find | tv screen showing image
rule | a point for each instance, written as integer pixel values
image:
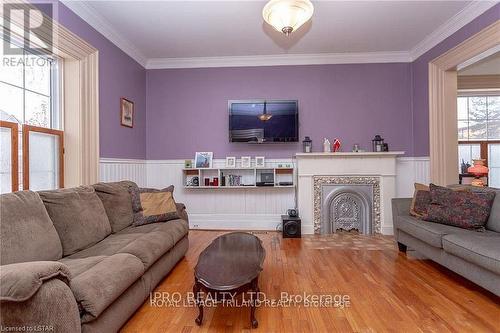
(259, 121)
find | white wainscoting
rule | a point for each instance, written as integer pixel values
(113, 169)
(410, 170)
(236, 209)
(233, 209)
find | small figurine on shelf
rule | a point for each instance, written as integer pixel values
(327, 147)
(336, 145)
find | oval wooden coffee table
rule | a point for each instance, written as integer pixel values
(232, 264)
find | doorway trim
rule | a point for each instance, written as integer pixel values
(443, 131)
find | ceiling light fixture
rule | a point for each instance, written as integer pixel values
(287, 16)
(264, 116)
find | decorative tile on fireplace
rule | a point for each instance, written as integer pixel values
(346, 203)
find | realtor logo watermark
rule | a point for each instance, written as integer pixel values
(37, 34)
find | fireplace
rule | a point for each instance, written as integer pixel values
(346, 203)
(346, 191)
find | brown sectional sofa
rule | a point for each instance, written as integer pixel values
(71, 261)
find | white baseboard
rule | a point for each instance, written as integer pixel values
(387, 231)
(234, 221)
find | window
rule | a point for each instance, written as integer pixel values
(479, 132)
(29, 96)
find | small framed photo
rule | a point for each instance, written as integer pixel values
(127, 112)
(260, 161)
(230, 162)
(188, 164)
(245, 161)
(203, 160)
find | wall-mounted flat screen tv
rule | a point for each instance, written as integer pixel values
(263, 121)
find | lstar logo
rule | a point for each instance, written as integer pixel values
(26, 27)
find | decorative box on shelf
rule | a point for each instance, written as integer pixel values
(227, 178)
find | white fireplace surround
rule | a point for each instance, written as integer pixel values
(315, 169)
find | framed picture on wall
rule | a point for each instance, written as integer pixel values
(245, 161)
(260, 161)
(127, 112)
(230, 162)
(203, 160)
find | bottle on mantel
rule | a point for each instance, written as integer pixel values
(327, 147)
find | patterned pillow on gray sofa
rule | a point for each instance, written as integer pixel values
(463, 209)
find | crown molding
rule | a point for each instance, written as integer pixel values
(94, 19)
(455, 23)
(466, 15)
(279, 60)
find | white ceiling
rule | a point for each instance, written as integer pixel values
(173, 33)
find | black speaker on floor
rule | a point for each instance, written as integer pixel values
(291, 226)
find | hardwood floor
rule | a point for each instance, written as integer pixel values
(389, 291)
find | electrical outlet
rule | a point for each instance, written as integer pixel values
(196, 226)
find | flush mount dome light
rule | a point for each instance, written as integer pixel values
(287, 16)
(264, 116)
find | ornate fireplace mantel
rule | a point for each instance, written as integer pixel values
(313, 169)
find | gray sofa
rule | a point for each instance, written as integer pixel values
(72, 262)
(472, 254)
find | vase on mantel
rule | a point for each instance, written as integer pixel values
(327, 147)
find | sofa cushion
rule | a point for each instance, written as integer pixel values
(463, 209)
(26, 231)
(100, 285)
(420, 201)
(78, 215)
(107, 247)
(156, 242)
(428, 232)
(482, 249)
(148, 242)
(78, 266)
(117, 203)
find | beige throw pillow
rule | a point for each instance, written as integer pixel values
(157, 203)
(152, 205)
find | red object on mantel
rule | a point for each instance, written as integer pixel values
(336, 145)
(479, 170)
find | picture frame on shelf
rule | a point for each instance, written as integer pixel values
(188, 164)
(203, 160)
(126, 112)
(230, 162)
(260, 162)
(246, 161)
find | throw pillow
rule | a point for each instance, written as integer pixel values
(117, 202)
(463, 209)
(78, 216)
(152, 205)
(421, 201)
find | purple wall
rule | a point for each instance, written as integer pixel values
(187, 108)
(119, 76)
(420, 75)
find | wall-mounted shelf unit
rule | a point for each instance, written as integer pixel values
(239, 178)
